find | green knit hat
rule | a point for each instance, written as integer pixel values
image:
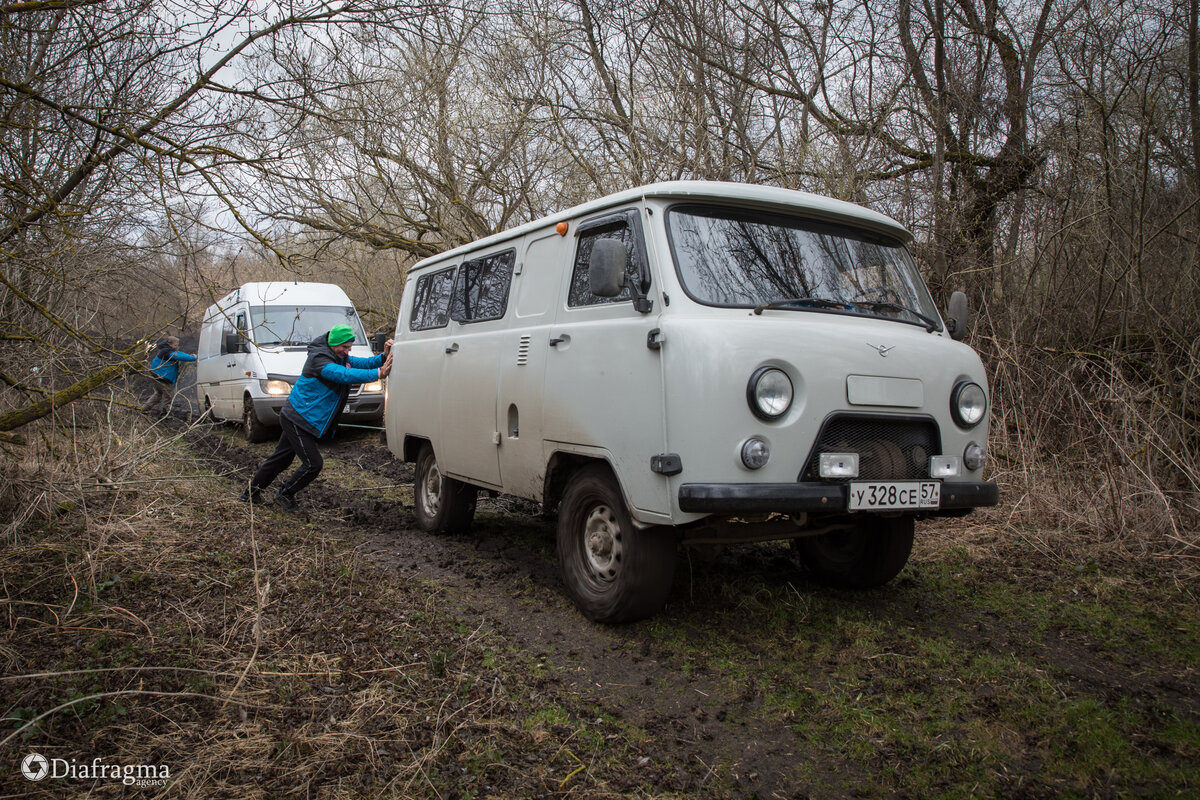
(340, 334)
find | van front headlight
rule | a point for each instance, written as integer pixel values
(968, 404)
(769, 393)
(276, 387)
(373, 386)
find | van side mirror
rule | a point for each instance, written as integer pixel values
(958, 317)
(377, 341)
(607, 267)
(234, 344)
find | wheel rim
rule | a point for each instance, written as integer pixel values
(431, 490)
(602, 543)
(843, 550)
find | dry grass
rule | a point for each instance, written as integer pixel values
(1092, 456)
(150, 618)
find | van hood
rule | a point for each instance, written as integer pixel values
(289, 361)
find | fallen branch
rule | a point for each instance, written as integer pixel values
(23, 416)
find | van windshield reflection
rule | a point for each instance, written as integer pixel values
(744, 259)
(292, 326)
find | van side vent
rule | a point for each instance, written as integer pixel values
(523, 351)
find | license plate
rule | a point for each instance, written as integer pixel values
(891, 495)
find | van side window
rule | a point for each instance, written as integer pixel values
(226, 329)
(481, 292)
(431, 301)
(581, 293)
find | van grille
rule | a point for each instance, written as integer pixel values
(523, 351)
(889, 448)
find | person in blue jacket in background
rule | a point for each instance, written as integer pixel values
(312, 410)
(164, 368)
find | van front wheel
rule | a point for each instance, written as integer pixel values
(252, 427)
(870, 555)
(443, 505)
(613, 571)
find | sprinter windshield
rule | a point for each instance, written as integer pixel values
(289, 326)
(747, 259)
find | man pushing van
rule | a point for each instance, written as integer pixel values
(312, 410)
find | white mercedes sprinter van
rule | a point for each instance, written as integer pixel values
(253, 343)
(691, 362)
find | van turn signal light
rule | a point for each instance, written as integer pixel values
(561, 228)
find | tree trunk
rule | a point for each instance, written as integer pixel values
(23, 416)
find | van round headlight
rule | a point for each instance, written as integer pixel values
(968, 404)
(769, 393)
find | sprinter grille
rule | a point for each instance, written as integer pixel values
(889, 448)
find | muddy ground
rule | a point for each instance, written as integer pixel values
(703, 681)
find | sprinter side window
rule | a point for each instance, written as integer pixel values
(226, 329)
(431, 301)
(581, 293)
(481, 292)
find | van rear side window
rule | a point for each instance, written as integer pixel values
(481, 292)
(431, 301)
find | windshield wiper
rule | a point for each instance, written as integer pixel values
(801, 302)
(931, 325)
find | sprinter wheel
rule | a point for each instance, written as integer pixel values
(443, 505)
(252, 427)
(869, 555)
(613, 571)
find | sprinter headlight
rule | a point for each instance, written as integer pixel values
(276, 387)
(769, 393)
(373, 386)
(968, 404)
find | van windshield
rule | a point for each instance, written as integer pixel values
(748, 259)
(292, 326)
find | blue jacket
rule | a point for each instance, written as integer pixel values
(165, 366)
(317, 399)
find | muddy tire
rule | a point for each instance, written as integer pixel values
(613, 571)
(443, 505)
(870, 555)
(252, 427)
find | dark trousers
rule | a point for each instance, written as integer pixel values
(164, 395)
(293, 442)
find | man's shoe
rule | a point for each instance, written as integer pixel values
(286, 502)
(248, 496)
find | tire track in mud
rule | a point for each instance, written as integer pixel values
(490, 578)
(486, 575)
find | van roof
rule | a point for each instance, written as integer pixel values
(291, 292)
(814, 205)
(295, 293)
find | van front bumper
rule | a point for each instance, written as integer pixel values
(794, 498)
(364, 408)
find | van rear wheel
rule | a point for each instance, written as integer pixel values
(252, 427)
(869, 555)
(613, 571)
(443, 505)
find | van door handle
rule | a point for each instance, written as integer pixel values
(452, 348)
(555, 341)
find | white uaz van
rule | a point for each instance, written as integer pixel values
(253, 344)
(695, 362)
